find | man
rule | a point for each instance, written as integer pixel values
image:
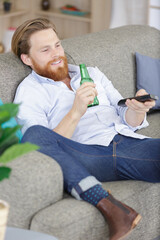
(92, 145)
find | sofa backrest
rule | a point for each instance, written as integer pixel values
(12, 72)
(112, 51)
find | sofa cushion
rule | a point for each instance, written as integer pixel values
(148, 75)
(36, 182)
(13, 71)
(80, 220)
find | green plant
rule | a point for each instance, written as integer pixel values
(10, 148)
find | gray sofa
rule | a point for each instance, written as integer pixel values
(35, 188)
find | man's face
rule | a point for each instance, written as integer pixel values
(46, 56)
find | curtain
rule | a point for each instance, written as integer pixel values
(136, 11)
(126, 12)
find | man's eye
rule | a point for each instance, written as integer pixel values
(44, 50)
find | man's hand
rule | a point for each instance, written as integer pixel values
(137, 110)
(140, 107)
(85, 95)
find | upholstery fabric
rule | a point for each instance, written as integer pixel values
(36, 182)
(13, 73)
(88, 221)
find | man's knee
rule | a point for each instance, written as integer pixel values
(35, 133)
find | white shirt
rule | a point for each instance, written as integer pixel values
(45, 102)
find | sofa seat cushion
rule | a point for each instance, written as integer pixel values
(36, 181)
(70, 219)
(80, 220)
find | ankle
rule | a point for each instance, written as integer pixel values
(94, 195)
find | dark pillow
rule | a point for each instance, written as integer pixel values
(148, 75)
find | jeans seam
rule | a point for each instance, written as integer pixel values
(119, 141)
(114, 157)
(138, 159)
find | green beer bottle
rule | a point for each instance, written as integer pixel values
(86, 78)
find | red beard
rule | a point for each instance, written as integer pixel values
(57, 75)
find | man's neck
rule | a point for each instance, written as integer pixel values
(67, 82)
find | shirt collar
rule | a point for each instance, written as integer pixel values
(73, 71)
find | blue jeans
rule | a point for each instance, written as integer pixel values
(125, 158)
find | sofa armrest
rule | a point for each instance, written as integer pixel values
(36, 181)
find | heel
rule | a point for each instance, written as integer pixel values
(136, 221)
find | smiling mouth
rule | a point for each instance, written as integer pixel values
(57, 62)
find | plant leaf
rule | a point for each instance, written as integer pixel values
(11, 108)
(17, 150)
(7, 111)
(4, 172)
(11, 142)
(8, 134)
(4, 116)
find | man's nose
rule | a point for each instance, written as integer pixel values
(54, 53)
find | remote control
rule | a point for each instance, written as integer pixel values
(142, 98)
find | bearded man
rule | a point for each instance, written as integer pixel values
(82, 140)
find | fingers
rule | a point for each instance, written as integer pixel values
(141, 92)
(139, 106)
(87, 84)
(84, 96)
(87, 90)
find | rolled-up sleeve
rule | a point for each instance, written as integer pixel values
(142, 125)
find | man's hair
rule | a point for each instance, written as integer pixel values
(21, 38)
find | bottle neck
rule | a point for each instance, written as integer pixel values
(84, 71)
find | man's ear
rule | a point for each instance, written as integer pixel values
(26, 59)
